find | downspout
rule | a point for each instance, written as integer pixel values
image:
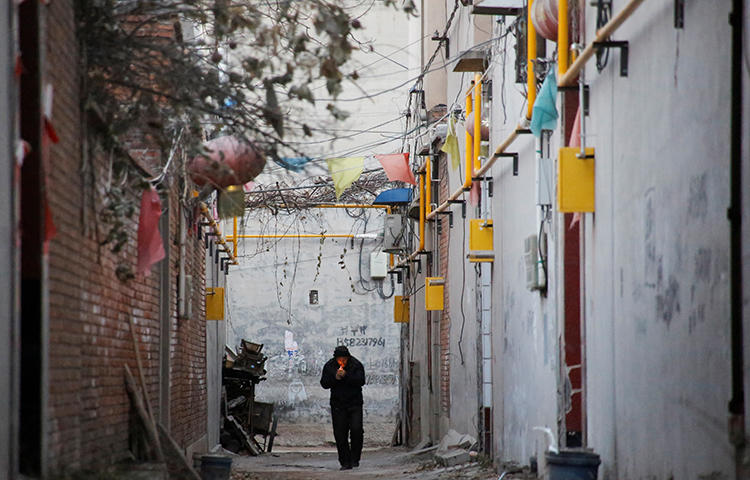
(737, 402)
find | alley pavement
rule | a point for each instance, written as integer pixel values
(382, 463)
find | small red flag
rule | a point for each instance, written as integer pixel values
(150, 245)
(396, 166)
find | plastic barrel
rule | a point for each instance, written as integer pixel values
(571, 465)
(215, 467)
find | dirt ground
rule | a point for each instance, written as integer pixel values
(297, 463)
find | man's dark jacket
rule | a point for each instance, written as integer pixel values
(346, 392)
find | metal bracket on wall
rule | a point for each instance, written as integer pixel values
(523, 131)
(436, 37)
(490, 183)
(623, 46)
(418, 261)
(463, 208)
(209, 242)
(514, 156)
(427, 254)
(576, 88)
(450, 219)
(679, 13)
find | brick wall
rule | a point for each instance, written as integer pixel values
(445, 317)
(89, 307)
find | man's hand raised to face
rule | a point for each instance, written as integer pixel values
(340, 373)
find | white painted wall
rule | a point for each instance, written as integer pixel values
(269, 304)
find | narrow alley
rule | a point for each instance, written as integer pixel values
(375, 239)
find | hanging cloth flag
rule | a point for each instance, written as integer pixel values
(396, 166)
(150, 245)
(295, 164)
(575, 133)
(450, 146)
(544, 115)
(344, 172)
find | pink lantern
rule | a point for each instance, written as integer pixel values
(226, 161)
(484, 129)
(544, 18)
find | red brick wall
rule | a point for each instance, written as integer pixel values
(90, 308)
(445, 317)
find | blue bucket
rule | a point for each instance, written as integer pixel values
(215, 467)
(572, 465)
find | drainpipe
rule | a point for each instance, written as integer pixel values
(737, 403)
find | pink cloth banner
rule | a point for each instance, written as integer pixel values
(575, 141)
(150, 245)
(396, 166)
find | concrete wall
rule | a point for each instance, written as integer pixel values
(269, 303)
(657, 291)
(8, 282)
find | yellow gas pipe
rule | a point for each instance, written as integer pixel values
(562, 37)
(477, 123)
(234, 239)
(421, 211)
(469, 154)
(530, 57)
(428, 192)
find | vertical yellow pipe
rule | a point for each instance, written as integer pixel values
(562, 37)
(530, 57)
(421, 212)
(234, 237)
(428, 193)
(477, 121)
(469, 156)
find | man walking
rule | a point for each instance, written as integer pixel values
(345, 375)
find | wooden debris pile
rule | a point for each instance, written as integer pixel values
(244, 418)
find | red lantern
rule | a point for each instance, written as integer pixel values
(484, 129)
(226, 161)
(544, 18)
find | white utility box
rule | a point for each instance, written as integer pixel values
(378, 264)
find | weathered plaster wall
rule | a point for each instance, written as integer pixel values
(269, 303)
(657, 286)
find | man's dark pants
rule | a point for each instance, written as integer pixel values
(348, 421)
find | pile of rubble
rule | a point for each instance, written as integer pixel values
(243, 418)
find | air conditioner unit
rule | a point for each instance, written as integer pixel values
(530, 256)
(394, 240)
